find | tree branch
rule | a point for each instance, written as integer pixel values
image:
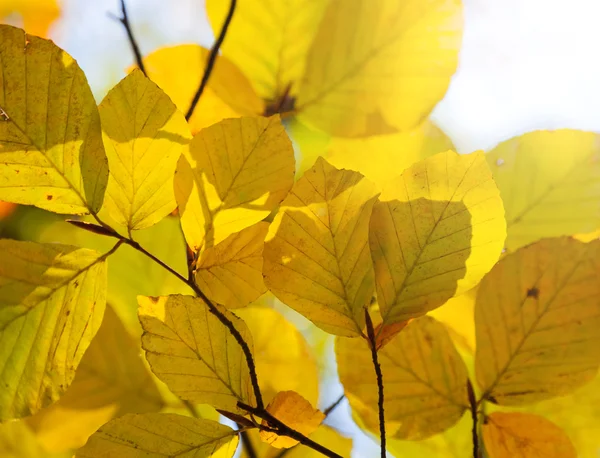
(212, 57)
(373, 346)
(124, 19)
(247, 444)
(473, 405)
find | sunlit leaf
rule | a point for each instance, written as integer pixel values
(111, 380)
(379, 66)
(537, 318)
(161, 435)
(550, 184)
(190, 350)
(18, 441)
(51, 152)
(435, 232)
(52, 300)
(316, 257)
(144, 135)
(458, 316)
(235, 173)
(230, 273)
(229, 94)
(296, 412)
(37, 15)
(424, 378)
(519, 435)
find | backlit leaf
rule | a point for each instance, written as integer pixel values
(296, 412)
(379, 66)
(230, 273)
(37, 15)
(520, 435)
(52, 300)
(537, 317)
(51, 152)
(161, 435)
(235, 173)
(111, 380)
(316, 257)
(18, 441)
(550, 184)
(435, 232)
(190, 350)
(229, 94)
(424, 377)
(282, 32)
(144, 135)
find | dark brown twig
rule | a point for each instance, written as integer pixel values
(124, 19)
(212, 57)
(474, 416)
(373, 346)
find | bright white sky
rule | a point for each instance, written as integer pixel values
(525, 65)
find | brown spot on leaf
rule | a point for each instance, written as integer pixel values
(49, 197)
(533, 292)
(68, 313)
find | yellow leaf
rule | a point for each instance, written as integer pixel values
(458, 316)
(51, 153)
(161, 434)
(520, 435)
(435, 232)
(376, 67)
(537, 317)
(316, 257)
(37, 15)
(111, 380)
(283, 357)
(234, 174)
(143, 135)
(281, 34)
(424, 378)
(296, 412)
(229, 94)
(230, 273)
(550, 184)
(52, 300)
(190, 350)
(18, 441)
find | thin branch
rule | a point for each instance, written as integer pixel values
(474, 416)
(247, 444)
(332, 407)
(124, 19)
(212, 57)
(373, 346)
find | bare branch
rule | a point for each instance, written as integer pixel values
(373, 346)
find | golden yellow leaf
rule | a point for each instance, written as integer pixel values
(18, 441)
(424, 378)
(234, 174)
(190, 350)
(269, 41)
(376, 67)
(37, 15)
(52, 299)
(550, 184)
(520, 435)
(229, 94)
(144, 135)
(458, 316)
(537, 317)
(435, 232)
(111, 380)
(316, 257)
(296, 412)
(161, 435)
(230, 273)
(283, 358)
(51, 152)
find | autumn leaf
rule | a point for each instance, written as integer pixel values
(536, 318)
(230, 273)
(52, 300)
(377, 67)
(296, 412)
(424, 378)
(18, 441)
(435, 232)
(234, 174)
(37, 15)
(161, 434)
(51, 152)
(177, 70)
(457, 314)
(143, 135)
(190, 350)
(520, 435)
(316, 256)
(550, 184)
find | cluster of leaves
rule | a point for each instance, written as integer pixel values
(363, 249)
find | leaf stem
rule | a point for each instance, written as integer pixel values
(212, 57)
(473, 404)
(124, 19)
(377, 366)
